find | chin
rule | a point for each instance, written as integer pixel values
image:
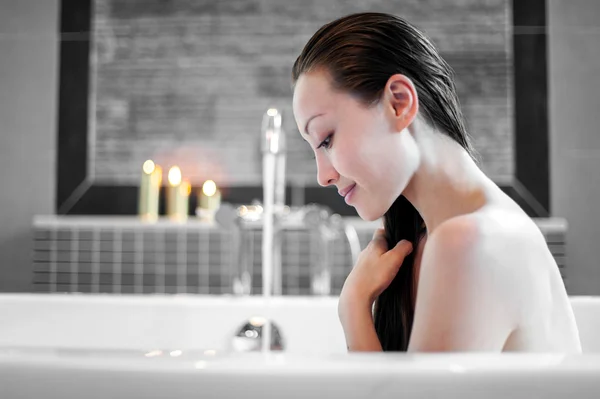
(369, 215)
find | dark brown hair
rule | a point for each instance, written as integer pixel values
(361, 52)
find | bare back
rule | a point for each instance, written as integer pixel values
(546, 319)
(532, 285)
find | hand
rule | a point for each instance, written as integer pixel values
(374, 271)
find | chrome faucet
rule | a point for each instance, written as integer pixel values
(274, 217)
(274, 159)
(324, 227)
(273, 150)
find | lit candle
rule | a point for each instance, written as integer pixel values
(149, 192)
(210, 196)
(177, 195)
(209, 200)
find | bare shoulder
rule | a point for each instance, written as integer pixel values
(497, 247)
(502, 250)
(489, 237)
(469, 292)
(470, 251)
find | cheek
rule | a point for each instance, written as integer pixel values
(375, 160)
(351, 159)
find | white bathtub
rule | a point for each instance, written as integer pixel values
(181, 322)
(72, 346)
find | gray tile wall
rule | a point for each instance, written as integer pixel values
(126, 256)
(187, 82)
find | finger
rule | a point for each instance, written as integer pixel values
(379, 234)
(397, 254)
(379, 241)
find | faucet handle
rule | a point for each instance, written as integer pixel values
(332, 226)
(229, 219)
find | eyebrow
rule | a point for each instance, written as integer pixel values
(307, 123)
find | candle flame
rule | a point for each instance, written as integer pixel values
(209, 188)
(174, 176)
(272, 112)
(148, 167)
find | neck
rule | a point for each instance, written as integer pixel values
(447, 182)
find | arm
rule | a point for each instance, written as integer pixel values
(357, 320)
(461, 301)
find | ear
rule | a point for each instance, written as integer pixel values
(400, 98)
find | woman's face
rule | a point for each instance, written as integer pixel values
(366, 152)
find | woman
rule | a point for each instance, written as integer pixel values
(468, 270)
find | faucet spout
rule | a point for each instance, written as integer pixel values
(274, 159)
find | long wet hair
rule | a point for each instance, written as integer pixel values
(361, 52)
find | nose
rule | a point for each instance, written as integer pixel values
(326, 173)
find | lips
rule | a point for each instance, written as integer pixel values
(343, 192)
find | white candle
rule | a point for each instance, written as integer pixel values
(209, 201)
(209, 197)
(149, 192)
(177, 195)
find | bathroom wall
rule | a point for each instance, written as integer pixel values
(187, 82)
(28, 68)
(574, 60)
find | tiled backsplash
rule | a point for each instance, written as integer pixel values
(187, 82)
(124, 256)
